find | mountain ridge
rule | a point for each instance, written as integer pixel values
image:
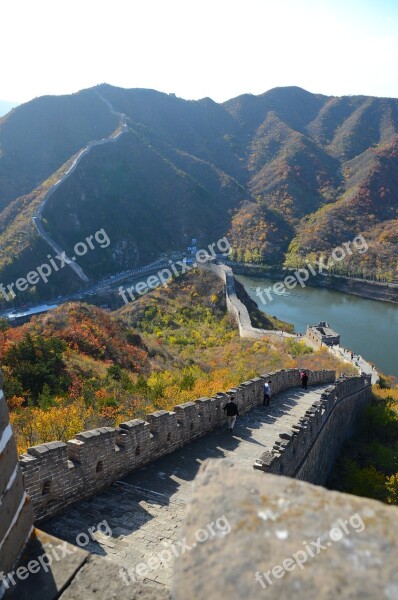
(306, 164)
(6, 106)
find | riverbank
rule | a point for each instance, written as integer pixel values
(238, 309)
(243, 309)
(356, 287)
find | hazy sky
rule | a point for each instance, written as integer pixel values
(197, 48)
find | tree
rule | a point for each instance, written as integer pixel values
(247, 256)
(4, 326)
(256, 257)
(36, 361)
(114, 372)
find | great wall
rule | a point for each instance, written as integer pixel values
(236, 308)
(57, 474)
(112, 473)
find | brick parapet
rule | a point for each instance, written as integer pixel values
(308, 450)
(58, 474)
(16, 514)
(236, 308)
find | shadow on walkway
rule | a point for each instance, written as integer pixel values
(134, 501)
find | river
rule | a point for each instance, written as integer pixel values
(368, 327)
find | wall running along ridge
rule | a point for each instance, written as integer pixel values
(309, 450)
(236, 308)
(58, 474)
(16, 515)
(239, 311)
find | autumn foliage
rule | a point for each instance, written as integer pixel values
(81, 367)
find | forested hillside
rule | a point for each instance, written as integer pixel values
(80, 367)
(287, 175)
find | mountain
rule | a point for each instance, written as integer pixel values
(80, 367)
(6, 106)
(286, 175)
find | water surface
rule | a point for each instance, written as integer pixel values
(368, 327)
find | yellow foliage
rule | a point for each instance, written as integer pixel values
(386, 393)
(35, 425)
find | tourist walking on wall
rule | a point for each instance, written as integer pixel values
(267, 393)
(232, 412)
(304, 381)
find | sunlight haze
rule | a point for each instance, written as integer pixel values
(195, 49)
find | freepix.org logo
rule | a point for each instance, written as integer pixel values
(44, 271)
(54, 554)
(219, 528)
(302, 275)
(177, 268)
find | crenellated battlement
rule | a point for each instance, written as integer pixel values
(307, 451)
(58, 474)
(236, 308)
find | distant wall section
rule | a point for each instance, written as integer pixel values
(236, 308)
(309, 450)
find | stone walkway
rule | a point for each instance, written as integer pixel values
(145, 509)
(363, 365)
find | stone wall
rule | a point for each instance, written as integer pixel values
(309, 450)
(314, 336)
(322, 334)
(284, 539)
(58, 474)
(16, 516)
(236, 308)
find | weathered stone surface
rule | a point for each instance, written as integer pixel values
(99, 579)
(46, 584)
(146, 508)
(13, 544)
(347, 545)
(16, 514)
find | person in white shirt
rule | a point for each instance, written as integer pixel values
(267, 393)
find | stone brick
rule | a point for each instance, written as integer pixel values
(12, 546)
(58, 474)
(16, 514)
(8, 462)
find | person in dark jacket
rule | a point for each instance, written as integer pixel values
(232, 411)
(304, 381)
